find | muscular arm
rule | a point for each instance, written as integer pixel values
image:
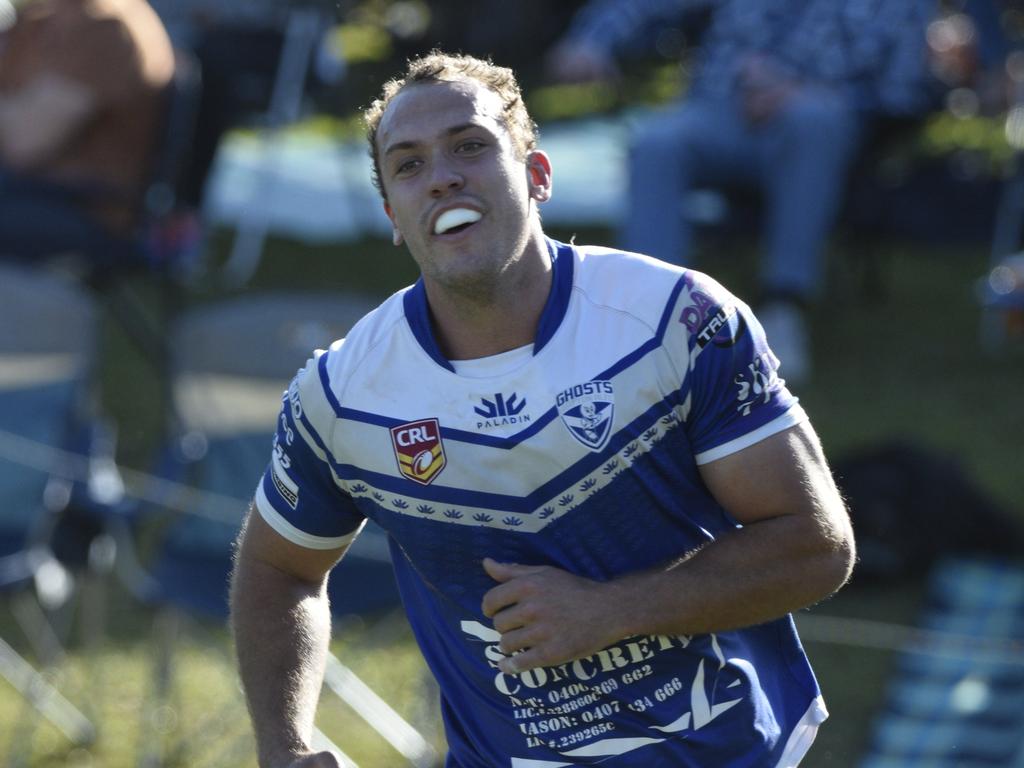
(794, 549)
(281, 624)
(38, 120)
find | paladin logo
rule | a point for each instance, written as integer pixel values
(419, 449)
(501, 411)
(588, 410)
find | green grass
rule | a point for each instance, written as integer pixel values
(907, 365)
(201, 721)
(913, 368)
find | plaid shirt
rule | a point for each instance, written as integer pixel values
(872, 49)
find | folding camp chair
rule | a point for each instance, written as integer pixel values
(229, 365)
(165, 247)
(302, 32)
(47, 340)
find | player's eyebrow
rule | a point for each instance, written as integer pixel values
(412, 144)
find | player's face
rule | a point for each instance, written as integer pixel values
(458, 195)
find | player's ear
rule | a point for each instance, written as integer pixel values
(538, 175)
(396, 235)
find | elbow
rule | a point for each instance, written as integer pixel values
(843, 560)
(839, 552)
(829, 553)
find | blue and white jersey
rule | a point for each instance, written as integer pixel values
(580, 453)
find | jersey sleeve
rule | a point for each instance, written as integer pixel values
(736, 397)
(298, 496)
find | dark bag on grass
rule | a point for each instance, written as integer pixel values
(910, 506)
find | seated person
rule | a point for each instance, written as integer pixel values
(783, 96)
(81, 100)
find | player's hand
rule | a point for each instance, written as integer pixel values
(547, 616)
(316, 760)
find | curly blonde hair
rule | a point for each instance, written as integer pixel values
(438, 67)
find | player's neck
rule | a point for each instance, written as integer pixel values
(493, 319)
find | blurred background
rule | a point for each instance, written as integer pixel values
(140, 377)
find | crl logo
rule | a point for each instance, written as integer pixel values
(419, 450)
(501, 411)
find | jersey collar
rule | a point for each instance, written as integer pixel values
(417, 313)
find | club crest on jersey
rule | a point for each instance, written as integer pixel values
(419, 450)
(588, 410)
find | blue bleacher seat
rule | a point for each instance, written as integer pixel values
(957, 696)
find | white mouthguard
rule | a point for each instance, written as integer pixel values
(454, 218)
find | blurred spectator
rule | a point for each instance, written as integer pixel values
(81, 87)
(784, 94)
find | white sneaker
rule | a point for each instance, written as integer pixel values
(786, 332)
